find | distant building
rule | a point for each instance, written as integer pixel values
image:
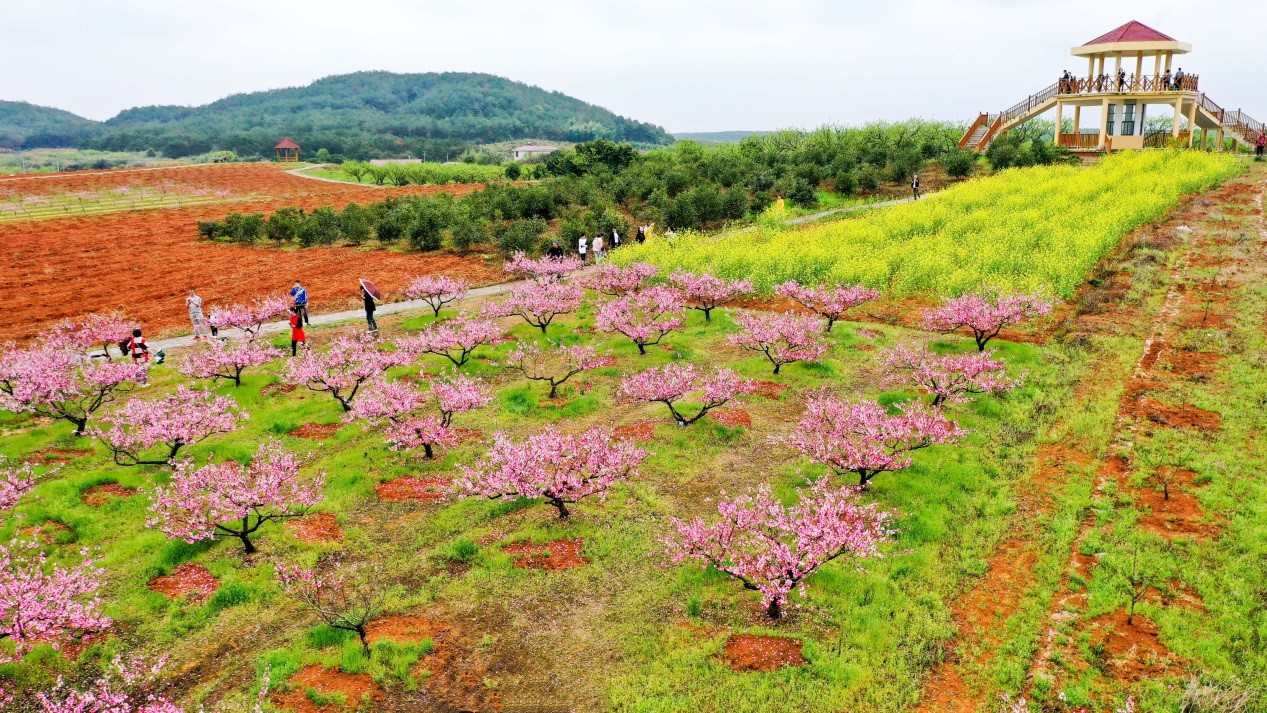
(287, 151)
(529, 151)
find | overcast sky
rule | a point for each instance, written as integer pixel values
(687, 65)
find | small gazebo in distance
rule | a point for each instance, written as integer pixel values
(1128, 70)
(287, 151)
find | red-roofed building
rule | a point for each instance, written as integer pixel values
(1131, 74)
(287, 151)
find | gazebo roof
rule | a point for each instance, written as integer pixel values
(1134, 36)
(286, 143)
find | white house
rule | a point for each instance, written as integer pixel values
(529, 151)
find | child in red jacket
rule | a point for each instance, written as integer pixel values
(297, 335)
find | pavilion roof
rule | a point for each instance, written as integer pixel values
(1132, 31)
(286, 143)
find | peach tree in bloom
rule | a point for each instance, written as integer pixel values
(127, 688)
(950, 378)
(15, 481)
(782, 338)
(341, 371)
(558, 468)
(554, 365)
(154, 432)
(225, 360)
(614, 280)
(248, 318)
(437, 291)
(61, 383)
(106, 330)
(538, 303)
(771, 547)
(830, 302)
(862, 437)
(346, 597)
(543, 269)
(45, 603)
(645, 317)
(232, 500)
(706, 292)
(454, 339)
(676, 382)
(399, 404)
(985, 315)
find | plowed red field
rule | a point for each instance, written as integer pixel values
(143, 262)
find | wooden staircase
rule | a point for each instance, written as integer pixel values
(987, 127)
(1242, 127)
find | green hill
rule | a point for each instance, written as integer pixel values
(367, 115)
(717, 137)
(24, 125)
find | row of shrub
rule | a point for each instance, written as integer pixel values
(422, 174)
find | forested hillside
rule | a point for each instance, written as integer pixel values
(361, 115)
(24, 125)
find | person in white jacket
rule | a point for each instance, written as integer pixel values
(580, 247)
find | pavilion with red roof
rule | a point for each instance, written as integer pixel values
(1129, 69)
(287, 151)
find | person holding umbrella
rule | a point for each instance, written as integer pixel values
(370, 295)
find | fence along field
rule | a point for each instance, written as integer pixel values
(1020, 229)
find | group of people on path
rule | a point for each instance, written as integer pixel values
(205, 331)
(597, 246)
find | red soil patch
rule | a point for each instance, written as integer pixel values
(99, 495)
(555, 554)
(1133, 651)
(1193, 363)
(1180, 514)
(315, 431)
(770, 389)
(58, 456)
(731, 417)
(278, 388)
(317, 527)
(353, 687)
(189, 578)
(402, 628)
(71, 650)
(47, 531)
(746, 652)
(89, 256)
(465, 435)
(409, 488)
(1178, 416)
(640, 431)
(1054, 460)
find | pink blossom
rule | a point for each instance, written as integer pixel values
(560, 468)
(538, 303)
(15, 482)
(104, 329)
(830, 302)
(542, 269)
(950, 377)
(458, 393)
(127, 689)
(45, 603)
(248, 318)
(862, 437)
(168, 424)
(555, 365)
(59, 382)
(676, 381)
(227, 499)
(614, 280)
(782, 338)
(706, 292)
(454, 340)
(225, 360)
(985, 315)
(771, 548)
(352, 360)
(437, 290)
(645, 317)
(398, 404)
(346, 597)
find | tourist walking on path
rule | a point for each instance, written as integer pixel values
(199, 320)
(300, 297)
(1258, 147)
(615, 239)
(555, 251)
(580, 247)
(369, 309)
(640, 237)
(915, 186)
(297, 335)
(598, 248)
(140, 353)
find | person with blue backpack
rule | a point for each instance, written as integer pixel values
(300, 297)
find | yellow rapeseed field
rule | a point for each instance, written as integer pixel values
(1020, 229)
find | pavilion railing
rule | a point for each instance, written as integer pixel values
(1081, 140)
(1108, 84)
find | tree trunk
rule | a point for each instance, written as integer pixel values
(553, 389)
(776, 367)
(831, 322)
(247, 545)
(642, 348)
(563, 509)
(365, 644)
(426, 451)
(773, 610)
(80, 424)
(708, 313)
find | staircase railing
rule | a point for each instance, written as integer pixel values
(990, 133)
(1029, 104)
(1244, 124)
(981, 121)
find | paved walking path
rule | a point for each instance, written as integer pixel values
(302, 173)
(847, 209)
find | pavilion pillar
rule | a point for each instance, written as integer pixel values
(1077, 119)
(1139, 70)
(1192, 123)
(1100, 73)
(1169, 56)
(1060, 120)
(1219, 136)
(1104, 122)
(1156, 69)
(1174, 130)
(1117, 67)
(1090, 69)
